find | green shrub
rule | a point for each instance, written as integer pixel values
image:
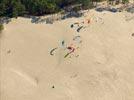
(125, 1)
(1, 27)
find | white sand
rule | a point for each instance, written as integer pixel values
(104, 69)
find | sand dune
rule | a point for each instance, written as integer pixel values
(97, 65)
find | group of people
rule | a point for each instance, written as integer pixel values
(69, 50)
(80, 25)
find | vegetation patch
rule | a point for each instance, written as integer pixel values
(15, 8)
(1, 27)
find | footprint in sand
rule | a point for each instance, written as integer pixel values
(132, 34)
(104, 57)
(32, 80)
(9, 51)
(14, 81)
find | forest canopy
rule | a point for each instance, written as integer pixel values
(14, 8)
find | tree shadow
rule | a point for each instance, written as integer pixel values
(55, 17)
(5, 20)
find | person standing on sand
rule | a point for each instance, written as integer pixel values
(88, 21)
(63, 43)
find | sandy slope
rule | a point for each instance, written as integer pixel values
(104, 69)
